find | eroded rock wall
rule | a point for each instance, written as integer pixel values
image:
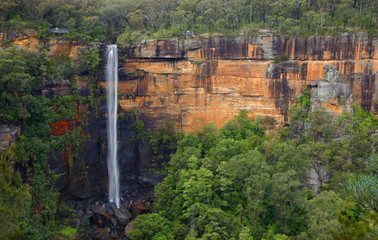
(29, 40)
(203, 80)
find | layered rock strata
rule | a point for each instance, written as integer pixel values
(202, 80)
(29, 40)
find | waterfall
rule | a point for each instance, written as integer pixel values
(112, 104)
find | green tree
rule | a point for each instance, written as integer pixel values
(322, 215)
(6, 6)
(151, 226)
(287, 202)
(14, 198)
(129, 37)
(18, 77)
(362, 188)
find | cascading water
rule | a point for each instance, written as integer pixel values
(112, 88)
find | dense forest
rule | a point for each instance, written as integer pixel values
(128, 21)
(237, 183)
(28, 196)
(247, 180)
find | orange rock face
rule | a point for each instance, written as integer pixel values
(29, 40)
(198, 81)
(70, 48)
(201, 80)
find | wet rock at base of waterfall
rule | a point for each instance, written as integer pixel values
(121, 214)
(101, 234)
(112, 206)
(101, 216)
(139, 208)
(114, 221)
(84, 214)
(128, 228)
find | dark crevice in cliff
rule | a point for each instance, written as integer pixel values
(281, 92)
(304, 67)
(142, 86)
(367, 85)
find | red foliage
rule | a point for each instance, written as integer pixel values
(61, 128)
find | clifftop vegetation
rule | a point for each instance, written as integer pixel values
(132, 20)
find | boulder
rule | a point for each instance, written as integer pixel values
(101, 234)
(84, 214)
(122, 216)
(101, 216)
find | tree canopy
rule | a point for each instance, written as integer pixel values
(132, 20)
(236, 183)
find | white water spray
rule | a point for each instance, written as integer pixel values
(112, 88)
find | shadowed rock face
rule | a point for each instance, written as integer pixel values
(87, 176)
(198, 81)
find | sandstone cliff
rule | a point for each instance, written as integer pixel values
(29, 40)
(203, 80)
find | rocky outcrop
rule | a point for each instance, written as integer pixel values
(57, 88)
(331, 92)
(202, 80)
(317, 177)
(109, 220)
(28, 39)
(8, 135)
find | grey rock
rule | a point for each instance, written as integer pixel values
(317, 177)
(114, 221)
(331, 74)
(95, 208)
(330, 90)
(8, 135)
(85, 217)
(80, 213)
(101, 216)
(122, 215)
(273, 71)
